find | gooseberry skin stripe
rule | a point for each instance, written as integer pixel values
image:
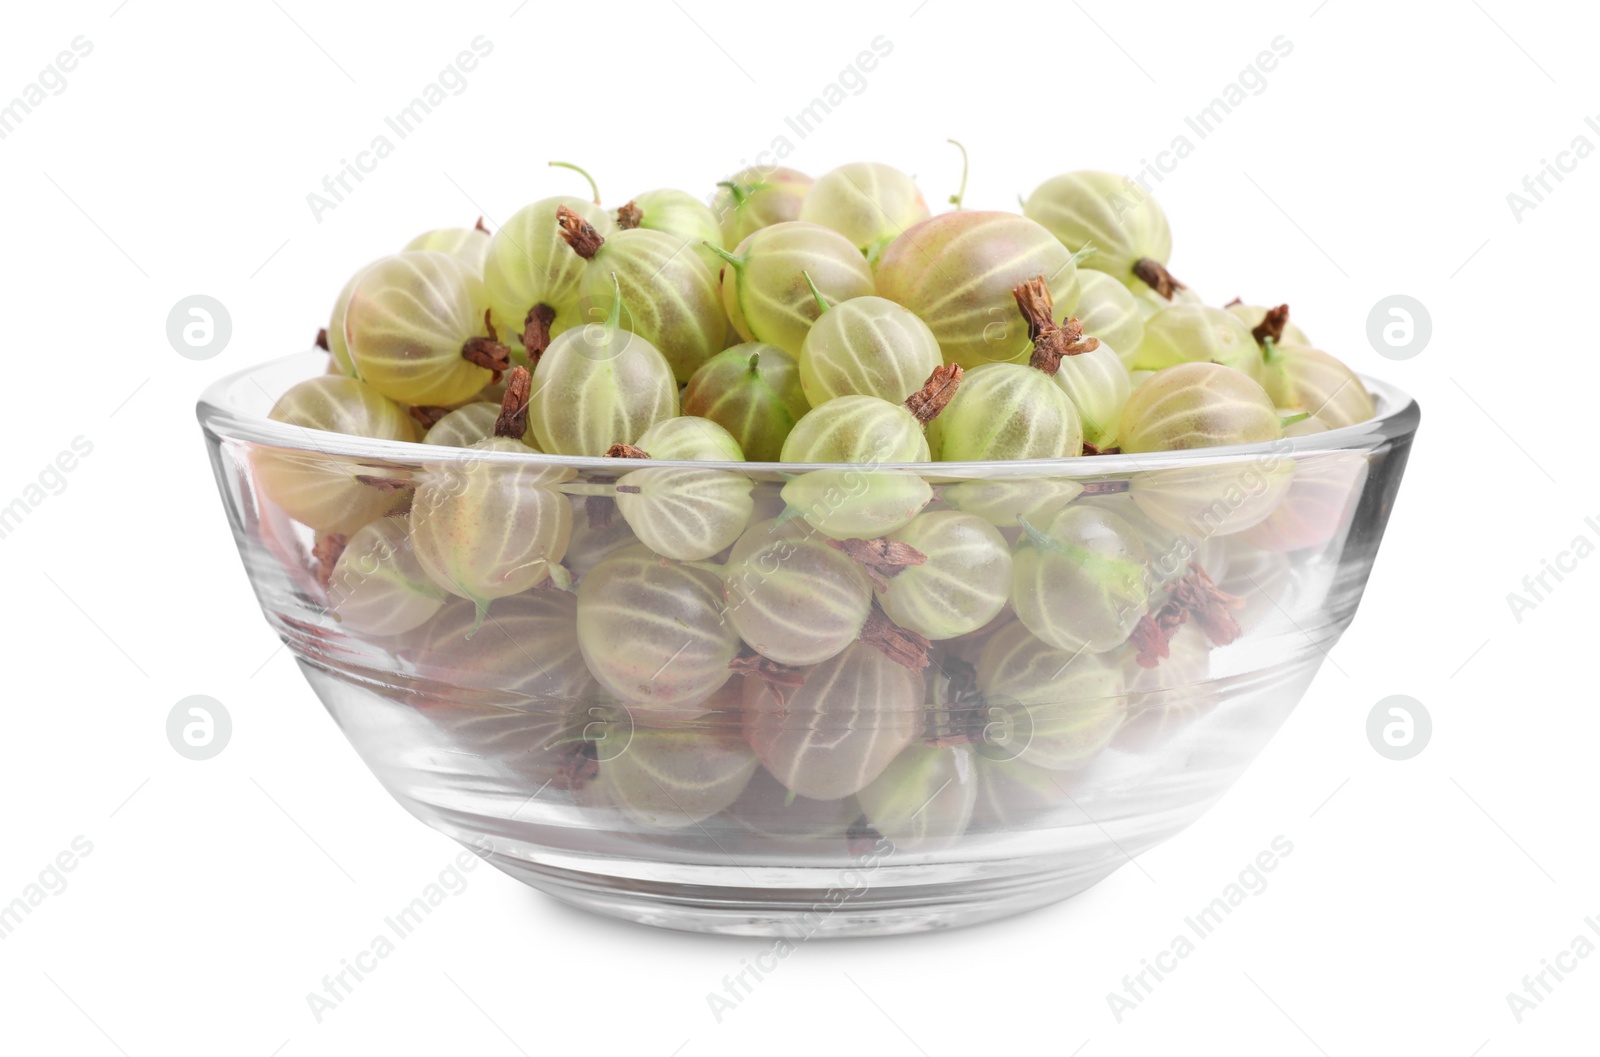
(407, 322)
(1192, 333)
(832, 736)
(766, 295)
(790, 597)
(956, 271)
(652, 632)
(672, 299)
(1194, 405)
(757, 403)
(963, 582)
(1122, 221)
(1064, 705)
(867, 346)
(322, 492)
(867, 202)
(529, 264)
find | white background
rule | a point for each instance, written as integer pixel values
(1377, 161)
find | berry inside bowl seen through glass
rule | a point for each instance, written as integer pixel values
(792, 598)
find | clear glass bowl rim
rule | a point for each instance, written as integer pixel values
(225, 410)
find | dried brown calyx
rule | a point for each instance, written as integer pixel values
(426, 415)
(881, 558)
(487, 352)
(580, 762)
(779, 677)
(1050, 341)
(1090, 449)
(513, 420)
(1192, 596)
(480, 227)
(861, 839)
(579, 233)
(1271, 326)
(935, 394)
(900, 645)
(1156, 276)
(387, 485)
(629, 216)
(322, 339)
(325, 555)
(1235, 301)
(600, 509)
(536, 331)
(960, 713)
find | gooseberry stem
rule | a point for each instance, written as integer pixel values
(739, 193)
(961, 192)
(1156, 276)
(513, 420)
(736, 261)
(1087, 250)
(592, 187)
(935, 394)
(1051, 343)
(426, 416)
(899, 644)
(822, 302)
(1270, 330)
(880, 558)
(579, 233)
(487, 352)
(536, 331)
(1193, 595)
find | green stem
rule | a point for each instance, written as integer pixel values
(1084, 253)
(755, 361)
(739, 193)
(961, 192)
(592, 186)
(1289, 420)
(822, 302)
(1103, 568)
(737, 262)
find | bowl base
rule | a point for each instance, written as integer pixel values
(798, 913)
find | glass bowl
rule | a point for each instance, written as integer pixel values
(609, 736)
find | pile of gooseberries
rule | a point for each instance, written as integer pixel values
(846, 638)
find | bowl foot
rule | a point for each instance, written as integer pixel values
(879, 906)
